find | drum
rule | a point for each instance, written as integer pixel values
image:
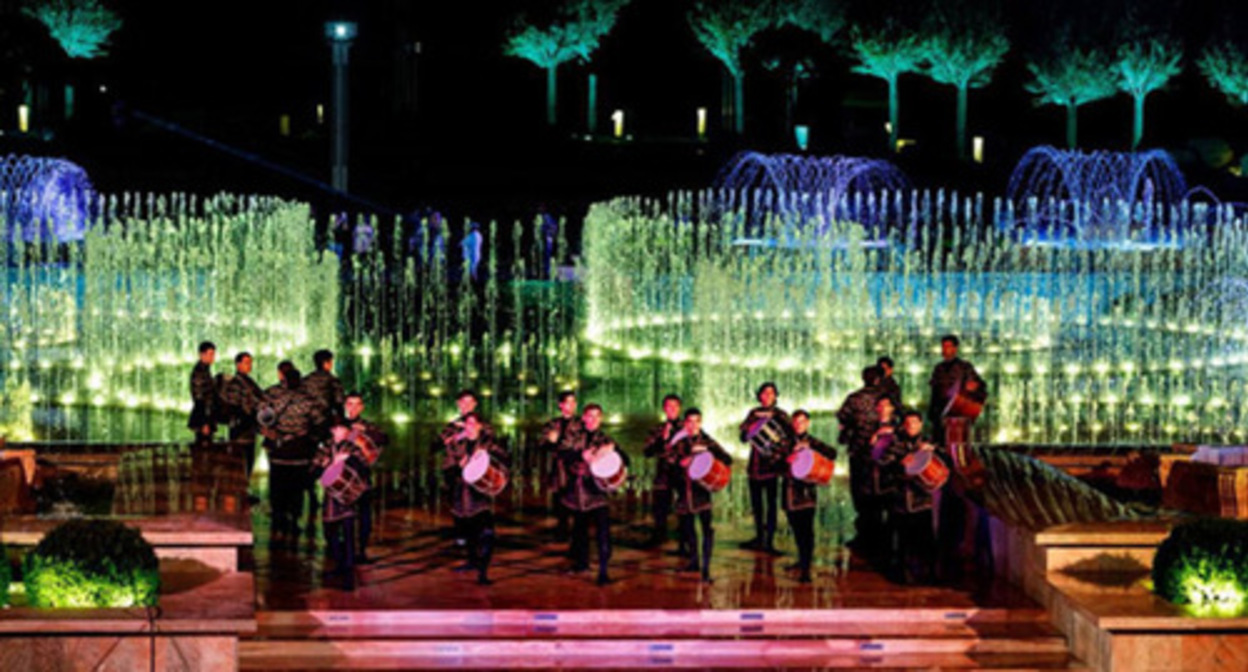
(963, 406)
(765, 434)
(369, 449)
(811, 466)
(926, 468)
(483, 475)
(343, 482)
(609, 471)
(709, 472)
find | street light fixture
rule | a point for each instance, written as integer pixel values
(340, 35)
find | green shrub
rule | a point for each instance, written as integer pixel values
(92, 563)
(5, 576)
(1204, 563)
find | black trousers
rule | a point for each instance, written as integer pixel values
(803, 524)
(246, 440)
(601, 518)
(287, 484)
(340, 535)
(764, 497)
(364, 507)
(661, 499)
(689, 534)
(479, 532)
(870, 515)
(914, 544)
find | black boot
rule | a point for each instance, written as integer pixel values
(484, 554)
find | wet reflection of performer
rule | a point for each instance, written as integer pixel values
(660, 445)
(800, 498)
(585, 495)
(472, 502)
(693, 498)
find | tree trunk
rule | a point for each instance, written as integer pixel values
(790, 105)
(1072, 124)
(1137, 133)
(961, 131)
(591, 105)
(894, 116)
(551, 95)
(738, 102)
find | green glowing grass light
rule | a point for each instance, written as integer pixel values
(92, 564)
(1204, 564)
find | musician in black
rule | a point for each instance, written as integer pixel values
(557, 434)
(693, 500)
(951, 377)
(241, 399)
(584, 496)
(764, 468)
(660, 445)
(325, 387)
(889, 387)
(858, 422)
(912, 528)
(472, 509)
(342, 508)
(799, 498)
(466, 402)
(288, 418)
(204, 402)
(377, 440)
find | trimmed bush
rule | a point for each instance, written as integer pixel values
(92, 563)
(1204, 563)
(5, 576)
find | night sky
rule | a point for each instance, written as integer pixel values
(475, 142)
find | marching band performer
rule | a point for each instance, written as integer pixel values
(466, 402)
(288, 416)
(692, 498)
(660, 445)
(376, 440)
(343, 507)
(584, 496)
(241, 399)
(764, 468)
(799, 498)
(911, 517)
(473, 509)
(953, 376)
(203, 420)
(557, 434)
(858, 422)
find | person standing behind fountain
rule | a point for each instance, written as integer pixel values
(288, 418)
(799, 498)
(693, 500)
(241, 398)
(557, 435)
(584, 496)
(661, 445)
(764, 468)
(204, 402)
(473, 510)
(859, 421)
(471, 248)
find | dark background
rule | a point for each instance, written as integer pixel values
(460, 127)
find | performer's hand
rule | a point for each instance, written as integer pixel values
(972, 385)
(552, 436)
(339, 433)
(699, 448)
(685, 462)
(205, 430)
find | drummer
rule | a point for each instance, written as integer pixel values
(340, 509)
(557, 434)
(800, 498)
(692, 498)
(353, 420)
(953, 376)
(764, 469)
(660, 445)
(474, 510)
(911, 519)
(466, 401)
(584, 496)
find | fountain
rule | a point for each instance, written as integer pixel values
(44, 199)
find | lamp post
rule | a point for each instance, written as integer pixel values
(340, 34)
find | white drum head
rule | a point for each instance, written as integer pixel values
(803, 463)
(701, 465)
(918, 462)
(606, 465)
(332, 473)
(477, 465)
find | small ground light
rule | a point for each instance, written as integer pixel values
(618, 119)
(977, 149)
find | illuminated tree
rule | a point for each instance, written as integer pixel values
(1071, 75)
(824, 19)
(726, 28)
(964, 43)
(888, 52)
(81, 27)
(1225, 66)
(576, 31)
(1143, 66)
(592, 20)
